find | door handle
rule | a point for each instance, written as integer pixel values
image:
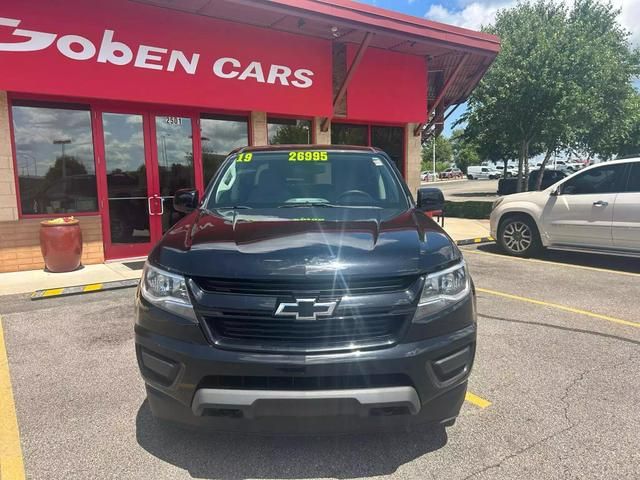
(600, 203)
(152, 209)
(149, 205)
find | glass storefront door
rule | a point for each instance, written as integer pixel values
(147, 157)
(175, 162)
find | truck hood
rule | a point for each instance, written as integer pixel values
(304, 242)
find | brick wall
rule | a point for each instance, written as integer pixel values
(259, 129)
(414, 159)
(8, 202)
(322, 138)
(20, 244)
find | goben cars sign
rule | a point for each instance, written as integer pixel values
(77, 47)
(93, 49)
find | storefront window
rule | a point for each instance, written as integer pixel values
(284, 131)
(55, 161)
(390, 139)
(347, 134)
(220, 135)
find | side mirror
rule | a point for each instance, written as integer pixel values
(185, 200)
(430, 199)
(562, 189)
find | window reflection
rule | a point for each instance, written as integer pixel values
(220, 135)
(175, 154)
(390, 139)
(174, 138)
(283, 131)
(347, 134)
(55, 160)
(126, 178)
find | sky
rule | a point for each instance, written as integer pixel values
(475, 13)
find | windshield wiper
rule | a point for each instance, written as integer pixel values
(234, 207)
(309, 204)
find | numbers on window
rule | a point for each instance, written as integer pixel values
(173, 120)
(308, 156)
(244, 157)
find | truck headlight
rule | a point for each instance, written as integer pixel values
(167, 291)
(442, 290)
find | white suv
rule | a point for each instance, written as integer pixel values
(596, 209)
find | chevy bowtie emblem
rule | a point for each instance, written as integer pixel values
(306, 309)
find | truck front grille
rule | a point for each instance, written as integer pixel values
(269, 333)
(321, 286)
(241, 314)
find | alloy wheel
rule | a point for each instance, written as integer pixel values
(517, 236)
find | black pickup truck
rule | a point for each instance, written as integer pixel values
(507, 186)
(305, 291)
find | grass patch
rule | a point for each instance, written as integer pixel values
(470, 209)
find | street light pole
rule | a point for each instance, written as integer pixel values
(434, 155)
(62, 143)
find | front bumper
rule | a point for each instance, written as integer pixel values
(191, 382)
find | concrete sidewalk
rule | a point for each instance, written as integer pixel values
(32, 280)
(465, 229)
(459, 229)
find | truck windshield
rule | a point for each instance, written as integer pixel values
(290, 179)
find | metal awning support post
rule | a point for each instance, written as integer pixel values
(347, 79)
(447, 84)
(474, 79)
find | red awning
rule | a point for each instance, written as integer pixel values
(448, 49)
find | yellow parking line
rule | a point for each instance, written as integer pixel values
(560, 307)
(11, 463)
(476, 400)
(52, 292)
(550, 262)
(92, 288)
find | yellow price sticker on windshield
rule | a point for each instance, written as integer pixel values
(244, 157)
(308, 156)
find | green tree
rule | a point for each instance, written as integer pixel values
(291, 134)
(562, 75)
(465, 151)
(629, 145)
(67, 166)
(444, 153)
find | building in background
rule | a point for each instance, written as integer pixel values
(107, 107)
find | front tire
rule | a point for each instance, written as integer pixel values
(518, 236)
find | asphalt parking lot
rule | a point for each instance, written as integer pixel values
(558, 358)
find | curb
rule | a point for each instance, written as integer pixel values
(472, 241)
(81, 289)
(440, 182)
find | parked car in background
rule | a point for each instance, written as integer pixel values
(452, 172)
(428, 176)
(594, 210)
(575, 166)
(507, 186)
(480, 172)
